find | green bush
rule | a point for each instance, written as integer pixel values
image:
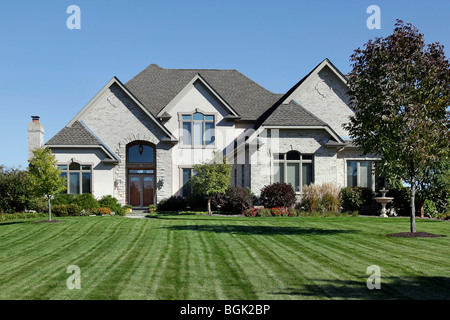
(401, 201)
(63, 198)
(112, 203)
(86, 201)
(174, 203)
(66, 210)
(16, 191)
(22, 215)
(358, 199)
(351, 199)
(196, 202)
(429, 209)
(152, 208)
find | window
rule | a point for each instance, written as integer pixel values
(359, 174)
(293, 168)
(140, 153)
(186, 188)
(78, 177)
(197, 129)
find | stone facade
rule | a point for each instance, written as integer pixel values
(118, 121)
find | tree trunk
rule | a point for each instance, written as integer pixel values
(209, 206)
(413, 209)
(49, 210)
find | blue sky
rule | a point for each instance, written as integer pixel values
(51, 71)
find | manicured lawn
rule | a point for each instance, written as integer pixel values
(200, 257)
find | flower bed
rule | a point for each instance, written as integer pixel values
(272, 212)
(105, 211)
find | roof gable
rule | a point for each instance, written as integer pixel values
(80, 136)
(75, 134)
(156, 87)
(197, 79)
(114, 81)
(305, 80)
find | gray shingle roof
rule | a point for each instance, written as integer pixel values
(292, 114)
(77, 134)
(155, 87)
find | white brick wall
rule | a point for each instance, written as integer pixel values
(117, 121)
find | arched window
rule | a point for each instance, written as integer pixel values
(78, 176)
(139, 152)
(293, 168)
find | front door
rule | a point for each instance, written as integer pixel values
(142, 188)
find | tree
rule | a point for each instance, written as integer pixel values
(16, 193)
(210, 180)
(45, 176)
(400, 93)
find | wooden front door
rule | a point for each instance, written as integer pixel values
(141, 189)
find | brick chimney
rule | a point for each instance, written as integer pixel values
(35, 135)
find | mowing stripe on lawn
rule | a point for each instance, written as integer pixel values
(35, 260)
(53, 274)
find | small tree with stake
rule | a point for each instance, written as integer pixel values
(211, 179)
(400, 92)
(45, 176)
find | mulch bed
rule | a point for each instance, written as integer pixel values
(47, 221)
(414, 235)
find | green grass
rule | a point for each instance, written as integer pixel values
(201, 257)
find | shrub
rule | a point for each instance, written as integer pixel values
(324, 197)
(112, 203)
(63, 198)
(196, 202)
(401, 200)
(152, 208)
(330, 203)
(85, 201)
(174, 203)
(66, 210)
(429, 209)
(16, 191)
(358, 199)
(351, 199)
(235, 200)
(278, 195)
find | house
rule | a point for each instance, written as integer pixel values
(138, 141)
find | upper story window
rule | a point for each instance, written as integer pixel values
(78, 176)
(198, 129)
(294, 168)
